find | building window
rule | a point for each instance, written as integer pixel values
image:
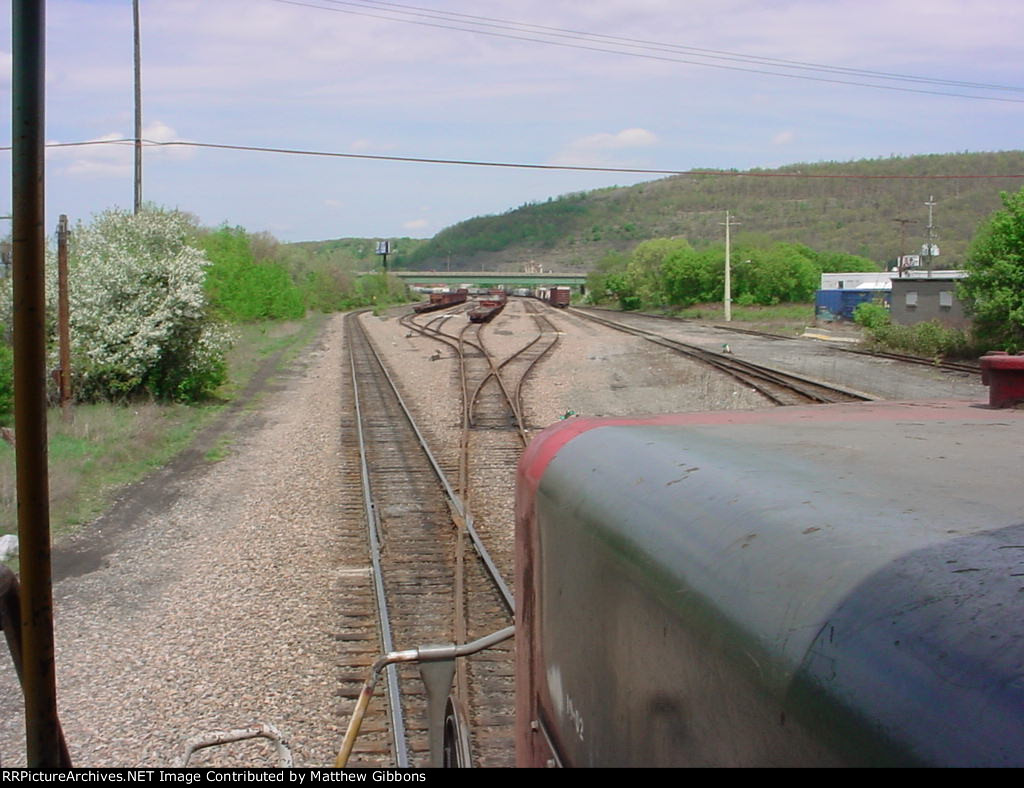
(911, 298)
(842, 284)
(946, 298)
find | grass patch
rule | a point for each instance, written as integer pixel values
(107, 446)
(221, 450)
(778, 319)
(103, 448)
(254, 342)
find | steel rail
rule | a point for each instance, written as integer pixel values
(373, 525)
(754, 381)
(459, 508)
(939, 363)
(742, 370)
(539, 319)
(494, 372)
(456, 341)
(953, 366)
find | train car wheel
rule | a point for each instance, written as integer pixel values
(457, 754)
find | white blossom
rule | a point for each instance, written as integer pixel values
(139, 318)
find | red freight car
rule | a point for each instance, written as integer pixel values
(560, 296)
(442, 300)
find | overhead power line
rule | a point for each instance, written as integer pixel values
(660, 45)
(524, 165)
(599, 42)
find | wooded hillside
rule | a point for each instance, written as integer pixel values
(821, 205)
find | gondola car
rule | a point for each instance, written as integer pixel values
(488, 308)
(442, 301)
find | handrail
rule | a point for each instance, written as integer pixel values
(442, 653)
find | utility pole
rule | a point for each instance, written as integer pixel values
(44, 743)
(903, 233)
(728, 270)
(138, 111)
(63, 318)
(930, 249)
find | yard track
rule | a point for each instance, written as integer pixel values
(780, 388)
(440, 584)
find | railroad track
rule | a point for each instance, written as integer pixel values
(936, 363)
(953, 366)
(781, 388)
(493, 437)
(411, 540)
(438, 583)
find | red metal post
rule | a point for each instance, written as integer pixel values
(1004, 376)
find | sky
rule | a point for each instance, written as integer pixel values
(643, 84)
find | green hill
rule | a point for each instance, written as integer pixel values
(821, 205)
(358, 254)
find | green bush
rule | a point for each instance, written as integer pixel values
(930, 340)
(6, 384)
(242, 290)
(871, 315)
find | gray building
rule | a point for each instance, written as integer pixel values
(919, 298)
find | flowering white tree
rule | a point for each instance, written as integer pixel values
(139, 320)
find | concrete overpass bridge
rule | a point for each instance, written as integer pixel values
(510, 280)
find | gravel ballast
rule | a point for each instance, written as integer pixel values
(216, 610)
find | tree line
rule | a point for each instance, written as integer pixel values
(153, 297)
(670, 272)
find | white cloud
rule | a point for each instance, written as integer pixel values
(103, 158)
(291, 76)
(594, 149)
(158, 131)
(416, 224)
(107, 157)
(627, 138)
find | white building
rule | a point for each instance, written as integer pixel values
(879, 280)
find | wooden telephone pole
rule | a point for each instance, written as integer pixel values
(63, 318)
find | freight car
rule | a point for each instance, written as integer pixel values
(442, 300)
(559, 296)
(832, 585)
(488, 308)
